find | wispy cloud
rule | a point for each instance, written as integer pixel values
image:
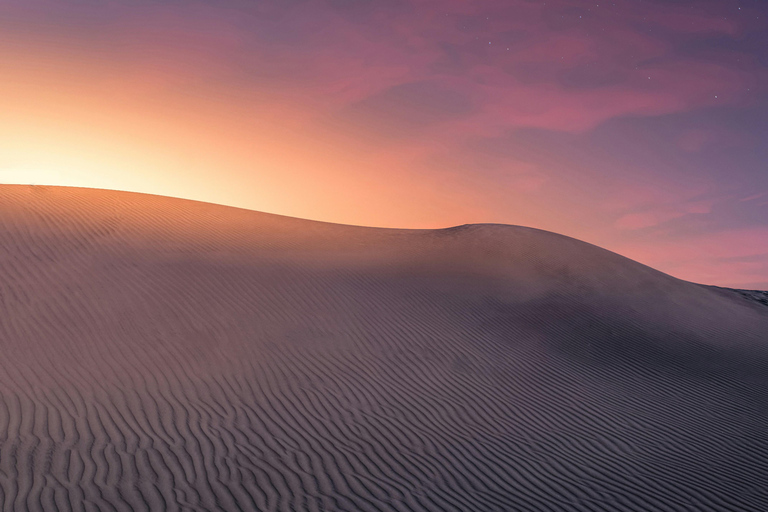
(619, 122)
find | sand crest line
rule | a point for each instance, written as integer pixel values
(163, 354)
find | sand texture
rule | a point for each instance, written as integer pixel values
(162, 354)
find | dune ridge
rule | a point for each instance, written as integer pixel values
(163, 354)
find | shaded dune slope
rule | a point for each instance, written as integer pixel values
(161, 354)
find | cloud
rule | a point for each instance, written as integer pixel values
(405, 109)
(646, 219)
(558, 65)
(660, 215)
(752, 197)
(729, 258)
(614, 120)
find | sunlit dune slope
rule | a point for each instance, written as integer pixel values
(163, 354)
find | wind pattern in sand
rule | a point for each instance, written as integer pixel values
(161, 354)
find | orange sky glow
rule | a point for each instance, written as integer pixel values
(337, 126)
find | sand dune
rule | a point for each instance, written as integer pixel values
(162, 354)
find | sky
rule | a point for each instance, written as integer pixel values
(640, 126)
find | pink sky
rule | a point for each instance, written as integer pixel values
(641, 127)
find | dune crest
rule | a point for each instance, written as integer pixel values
(163, 354)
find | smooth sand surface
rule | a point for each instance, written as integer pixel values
(162, 354)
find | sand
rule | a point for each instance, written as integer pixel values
(162, 354)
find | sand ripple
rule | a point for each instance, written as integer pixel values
(160, 354)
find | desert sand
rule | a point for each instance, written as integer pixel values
(164, 354)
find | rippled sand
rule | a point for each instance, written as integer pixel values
(162, 354)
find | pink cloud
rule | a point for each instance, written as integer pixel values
(646, 219)
(304, 66)
(728, 258)
(663, 213)
(498, 75)
(322, 59)
(754, 196)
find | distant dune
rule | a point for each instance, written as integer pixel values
(163, 354)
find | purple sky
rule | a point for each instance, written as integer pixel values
(640, 126)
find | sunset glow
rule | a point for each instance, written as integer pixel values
(641, 127)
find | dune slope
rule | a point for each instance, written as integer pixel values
(161, 354)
